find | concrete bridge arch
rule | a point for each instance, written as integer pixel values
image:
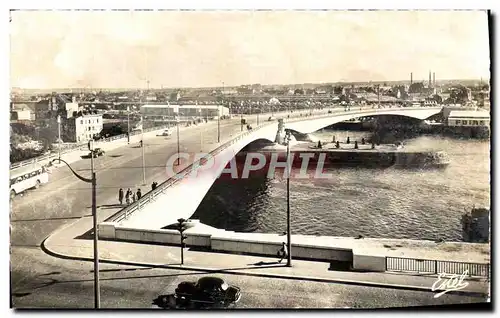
(308, 126)
(182, 199)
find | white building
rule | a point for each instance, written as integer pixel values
(83, 128)
(185, 111)
(468, 118)
(24, 114)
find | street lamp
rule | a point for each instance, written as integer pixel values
(218, 123)
(143, 154)
(59, 130)
(241, 115)
(128, 124)
(178, 141)
(93, 181)
(288, 217)
(201, 130)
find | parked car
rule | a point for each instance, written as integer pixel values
(207, 292)
(97, 153)
(166, 133)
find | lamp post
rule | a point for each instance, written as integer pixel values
(128, 124)
(143, 152)
(201, 130)
(241, 115)
(288, 217)
(218, 124)
(93, 181)
(178, 142)
(59, 130)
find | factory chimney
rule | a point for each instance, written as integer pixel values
(430, 79)
(411, 78)
(434, 79)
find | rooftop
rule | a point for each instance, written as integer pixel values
(182, 106)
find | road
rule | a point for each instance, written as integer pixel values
(39, 212)
(41, 281)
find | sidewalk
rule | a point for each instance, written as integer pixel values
(75, 242)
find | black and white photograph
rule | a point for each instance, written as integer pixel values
(250, 159)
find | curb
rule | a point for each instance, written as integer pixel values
(250, 273)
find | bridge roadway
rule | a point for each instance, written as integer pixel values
(182, 199)
(65, 198)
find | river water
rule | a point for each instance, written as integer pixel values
(377, 203)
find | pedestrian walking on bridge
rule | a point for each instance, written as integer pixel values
(120, 196)
(139, 194)
(283, 252)
(127, 196)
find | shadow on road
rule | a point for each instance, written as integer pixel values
(112, 206)
(89, 235)
(122, 269)
(261, 263)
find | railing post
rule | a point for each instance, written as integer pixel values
(435, 267)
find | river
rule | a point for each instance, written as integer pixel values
(377, 203)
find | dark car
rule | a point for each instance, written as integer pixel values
(97, 153)
(207, 292)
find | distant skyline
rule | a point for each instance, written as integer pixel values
(51, 49)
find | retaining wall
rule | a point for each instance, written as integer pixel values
(223, 241)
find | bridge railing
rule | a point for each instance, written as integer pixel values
(428, 266)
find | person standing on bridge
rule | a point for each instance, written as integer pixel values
(120, 196)
(139, 194)
(127, 196)
(283, 252)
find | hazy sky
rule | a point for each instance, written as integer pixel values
(193, 48)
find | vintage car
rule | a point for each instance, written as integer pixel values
(97, 153)
(165, 133)
(207, 292)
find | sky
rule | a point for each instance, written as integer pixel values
(125, 49)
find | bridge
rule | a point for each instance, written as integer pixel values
(182, 197)
(312, 125)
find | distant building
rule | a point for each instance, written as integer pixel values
(468, 118)
(82, 128)
(22, 115)
(169, 111)
(23, 111)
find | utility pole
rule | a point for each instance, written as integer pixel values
(288, 216)
(241, 115)
(128, 124)
(93, 181)
(143, 152)
(59, 129)
(201, 129)
(97, 297)
(218, 124)
(178, 142)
